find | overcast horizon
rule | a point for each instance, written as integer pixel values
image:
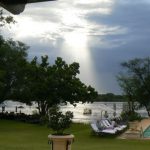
(98, 34)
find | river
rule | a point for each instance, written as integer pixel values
(97, 108)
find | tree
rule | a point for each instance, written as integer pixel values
(128, 86)
(109, 97)
(51, 85)
(12, 54)
(12, 60)
(135, 82)
(5, 19)
(12, 63)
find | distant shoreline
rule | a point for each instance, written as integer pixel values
(110, 97)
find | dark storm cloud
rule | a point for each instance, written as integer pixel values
(117, 30)
(115, 47)
(133, 16)
(134, 42)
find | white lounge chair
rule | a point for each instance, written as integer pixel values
(113, 125)
(123, 126)
(102, 131)
(107, 124)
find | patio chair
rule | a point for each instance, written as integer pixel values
(102, 131)
(112, 124)
(107, 124)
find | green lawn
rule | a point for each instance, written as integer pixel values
(21, 136)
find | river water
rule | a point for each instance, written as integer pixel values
(98, 109)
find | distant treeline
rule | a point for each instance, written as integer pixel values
(109, 97)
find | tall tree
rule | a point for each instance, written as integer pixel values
(50, 85)
(136, 81)
(12, 61)
(128, 86)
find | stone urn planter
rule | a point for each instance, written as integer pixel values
(58, 122)
(61, 142)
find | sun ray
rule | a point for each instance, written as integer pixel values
(75, 47)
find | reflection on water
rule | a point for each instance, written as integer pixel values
(98, 109)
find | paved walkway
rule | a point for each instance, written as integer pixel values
(136, 129)
(144, 124)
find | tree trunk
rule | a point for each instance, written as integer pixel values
(43, 109)
(148, 112)
(131, 104)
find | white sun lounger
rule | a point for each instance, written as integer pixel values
(112, 125)
(107, 125)
(103, 131)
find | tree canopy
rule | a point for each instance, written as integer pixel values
(12, 60)
(46, 84)
(50, 85)
(5, 19)
(135, 81)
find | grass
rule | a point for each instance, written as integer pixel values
(22, 136)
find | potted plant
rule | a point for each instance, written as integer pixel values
(58, 122)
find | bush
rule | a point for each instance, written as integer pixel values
(34, 119)
(131, 116)
(58, 121)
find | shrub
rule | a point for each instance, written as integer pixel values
(131, 116)
(58, 121)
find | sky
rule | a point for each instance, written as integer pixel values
(99, 34)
